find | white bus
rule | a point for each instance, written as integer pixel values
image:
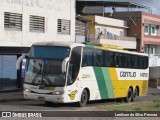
(62, 72)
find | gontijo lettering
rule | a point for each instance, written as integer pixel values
(127, 74)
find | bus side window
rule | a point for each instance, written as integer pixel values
(88, 57)
(84, 61)
(123, 61)
(132, 61)
(118, 58)
(146, 62)
(129, 64)
(141, 64)
(106, 59)
(112, 60)
(98, 58)
(135, 61)
(74, 65)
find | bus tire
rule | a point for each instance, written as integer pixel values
(129, 96)
(84, 98)
(135, 94)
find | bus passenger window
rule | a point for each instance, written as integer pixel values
(135, 62)
(143, 62)
(84, 61)
(108, 59)
(146, 62)
(112, 60)
(98, 60)
(88, 57)
(123, 61)
(74, 65)
(129, 61)
(98, 57)
(118, 60)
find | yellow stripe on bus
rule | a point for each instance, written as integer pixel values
(120, 87)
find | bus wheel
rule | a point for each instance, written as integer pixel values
(129, 95)
(84, 98)
(135, 94)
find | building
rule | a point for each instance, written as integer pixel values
(81, 28)
(109, 31)
(141, 23)
(24, 22)
(146, 28)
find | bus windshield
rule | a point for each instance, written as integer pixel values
(45, 66)
(49, 52)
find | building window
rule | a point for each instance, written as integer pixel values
(37, 24)
(149, 49)
(13, 21)
(153, 30)
(146, 30)
(63, 27)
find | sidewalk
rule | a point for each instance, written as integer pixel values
(153, 91)
(18, 96)
(11, 96)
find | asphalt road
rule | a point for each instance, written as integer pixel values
(60, 109)
(32, 106)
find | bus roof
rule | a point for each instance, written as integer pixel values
(71, 44)
(114, 48)
(55, 43)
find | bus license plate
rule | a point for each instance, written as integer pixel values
(41, 98)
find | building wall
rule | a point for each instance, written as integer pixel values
(50, 9)
(110, 28)
(111, 22)
(136, 23)
(134, 27)
(119, 32)
(133, 21)
(157, 50)
(91, 23)
(14, 43)
(109, 31)
(152, 20)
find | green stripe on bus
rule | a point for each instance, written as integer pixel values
(108, 82)
(91, 46)
(101, 82)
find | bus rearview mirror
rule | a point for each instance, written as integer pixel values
(19, 60)
(64, 64)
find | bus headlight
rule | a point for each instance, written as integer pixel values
(58, 92)
(27, 90)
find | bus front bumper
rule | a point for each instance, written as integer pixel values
(44, 97)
